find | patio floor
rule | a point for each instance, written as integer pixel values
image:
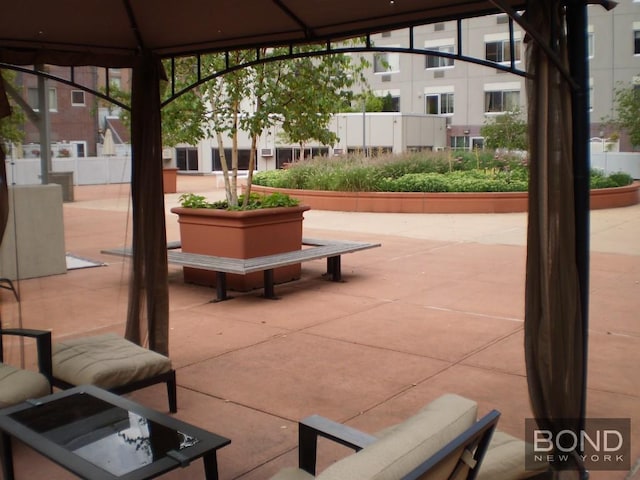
(438, 308)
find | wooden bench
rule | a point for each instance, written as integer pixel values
(313, 249)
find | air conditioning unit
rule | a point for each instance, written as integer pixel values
(266, 152)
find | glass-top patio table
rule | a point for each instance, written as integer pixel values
(101, 436)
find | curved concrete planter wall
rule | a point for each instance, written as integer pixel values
(489, 202)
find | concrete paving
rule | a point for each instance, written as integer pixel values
(438, 308)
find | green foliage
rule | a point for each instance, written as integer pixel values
(419, 172)
(625, 116)
(507, 131)
(191, 200)
(300, 93)
(11, 127)
(600, 180)
(254, 202)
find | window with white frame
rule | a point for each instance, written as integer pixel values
(77, 98)
(591, 43)
(636, 39)
(498, 47)
(500, 98)
(445, 45)
(386, 62)
(460, 142)
(34, 101)
(439, 100)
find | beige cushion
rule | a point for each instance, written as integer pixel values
(292, 473)
(18, 385)
(409, 444)
(107, 361)
(505, 459)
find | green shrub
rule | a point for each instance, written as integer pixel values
(477, 171)
(256, 201)
(621, 179)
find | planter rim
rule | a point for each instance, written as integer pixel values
(214, 212)
(446, 202)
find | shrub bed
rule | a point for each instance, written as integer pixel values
(420, 172)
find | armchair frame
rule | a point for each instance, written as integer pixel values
(43, 347)
(474, 440)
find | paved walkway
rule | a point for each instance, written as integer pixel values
(439, 308)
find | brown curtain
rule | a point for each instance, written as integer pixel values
(553, 325)
(149, 284)
(5, 111)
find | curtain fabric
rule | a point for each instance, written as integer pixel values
(5, 111)
(148, 288)
(553, 324)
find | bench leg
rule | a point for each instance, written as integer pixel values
(269, 290)
(221, 287)
(334, 268)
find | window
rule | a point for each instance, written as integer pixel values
(636, 42)
(439, 104)
(386, 62)
(591, 45)
(34, 103)
(460, 142)
(77, 98)
(187, 158)
(501, 101)
(500, 51)
(432, 61)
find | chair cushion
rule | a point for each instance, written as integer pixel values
(292, 473)
(505, 459)
(107, 361)
(18, 385)
(410, 443)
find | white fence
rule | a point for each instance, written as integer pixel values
(117, 169)
(86, 170)
(612, 162)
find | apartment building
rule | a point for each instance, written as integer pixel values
(462, 95)
(77, 120)
(468, 94)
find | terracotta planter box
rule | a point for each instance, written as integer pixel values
(241, 234)
(170, 180)
(481, 202)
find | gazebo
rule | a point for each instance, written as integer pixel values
(139, 35)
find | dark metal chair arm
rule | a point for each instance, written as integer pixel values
(310, 428)
(43, 346)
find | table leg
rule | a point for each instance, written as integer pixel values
(6, 456)
(210, 466)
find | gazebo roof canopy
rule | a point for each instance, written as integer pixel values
(117, 30)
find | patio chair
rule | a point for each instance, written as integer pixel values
(442, 441)
(113, 363)
(18, 384)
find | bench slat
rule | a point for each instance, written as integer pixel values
(315, 249)
(243, 266)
